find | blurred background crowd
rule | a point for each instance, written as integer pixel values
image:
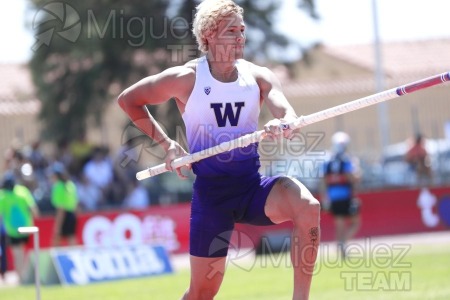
(101, 180)
(58, 100)
(107, 180)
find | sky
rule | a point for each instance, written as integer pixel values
(346, 22)
(342, 22)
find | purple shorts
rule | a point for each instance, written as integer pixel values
(220, 202)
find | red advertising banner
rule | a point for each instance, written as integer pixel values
(382, 213)
(399, 212)
(163, 225)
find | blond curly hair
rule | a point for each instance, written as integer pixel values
(208, 16)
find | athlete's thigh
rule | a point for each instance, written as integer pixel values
(287, 196)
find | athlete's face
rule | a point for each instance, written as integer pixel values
(227, 44)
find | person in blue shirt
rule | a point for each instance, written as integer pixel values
(341, 174)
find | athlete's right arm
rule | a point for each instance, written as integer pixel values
(176, 82)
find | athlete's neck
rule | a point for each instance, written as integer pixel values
(223, 71)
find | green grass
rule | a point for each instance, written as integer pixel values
(427, 272)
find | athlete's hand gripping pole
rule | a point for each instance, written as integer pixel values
(302, 121)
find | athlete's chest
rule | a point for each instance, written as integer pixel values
(226, 101)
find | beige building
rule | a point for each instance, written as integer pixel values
(334, 75)
(18, 107)
(340, 74)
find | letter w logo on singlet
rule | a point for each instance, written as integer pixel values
(228, 113)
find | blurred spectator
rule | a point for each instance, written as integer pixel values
(17, 208)
(418, 160)
(39, 164)
(89, 195)
(9, 155)
(22, 169)
(138, 198)
(80, 150)
(125, 168)
(64, 199)
(99, 171)
(63, 154)
(37, 159)
(341, 173)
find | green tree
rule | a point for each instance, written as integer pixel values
(87, 51)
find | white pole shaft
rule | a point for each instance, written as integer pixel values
(35, 232)
(302, 121)
(37, 280)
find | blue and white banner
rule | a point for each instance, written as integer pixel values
(78, 266)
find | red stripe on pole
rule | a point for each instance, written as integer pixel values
(422, 84)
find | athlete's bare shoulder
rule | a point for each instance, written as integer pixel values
(177, 81)
(174, 82)
(263, 75)
(185, 72)
(192, 64)
(260, 72)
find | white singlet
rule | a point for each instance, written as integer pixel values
(221, 111)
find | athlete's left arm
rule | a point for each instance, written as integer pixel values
(272, 95)
(355, 173)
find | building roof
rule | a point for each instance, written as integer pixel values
(28, 107)
(403, 62)
(15, 79)
(17, 93)
(399, 58)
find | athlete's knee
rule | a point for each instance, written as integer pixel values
(203, 293)
(204, 289)
(314, 209)
(308, 211)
